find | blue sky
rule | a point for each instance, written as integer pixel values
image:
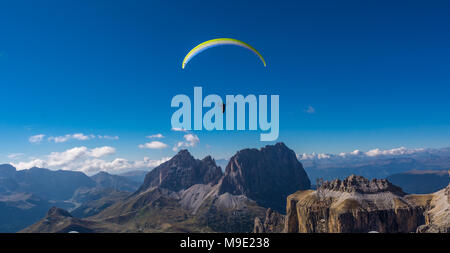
(377, 73)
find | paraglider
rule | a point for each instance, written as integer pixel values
(223, 107)
(219, 42)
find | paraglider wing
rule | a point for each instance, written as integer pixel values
(219, 42)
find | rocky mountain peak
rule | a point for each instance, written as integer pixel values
(361, 184)
(101, 174)
(267, 175)
(184, 154)
(55, 211)
(181, 172)
(208, 159)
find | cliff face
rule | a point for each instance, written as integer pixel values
(437, 216)
(273, 223)
(267, 175)
(356, 204)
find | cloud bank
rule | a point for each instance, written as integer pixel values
(64, 138)
(359, 153)
(88, 161)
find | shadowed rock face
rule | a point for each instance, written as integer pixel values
(181, 172)
(267, 175)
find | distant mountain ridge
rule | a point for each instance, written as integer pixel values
(137, 176)
(374, 163)
(26, 195)
(421, 181)
(57, 185)
(115, 182)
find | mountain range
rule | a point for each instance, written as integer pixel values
(374, 163)
(259, 190)
(26, 195)
(421, 181)
(186, 194)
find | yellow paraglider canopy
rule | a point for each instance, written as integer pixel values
(219, 42)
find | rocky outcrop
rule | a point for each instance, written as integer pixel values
(181, 172)
(60, 221)
(361, 185)
(267, 175)
(273, 223)
(55, 211)
(356, 204)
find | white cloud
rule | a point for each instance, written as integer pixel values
(190, 140)
(108, 137)
(153, 145)
(310, 110)
(88, 161)
(30, 164)
(394, 151)
(359, 153)
(82, 137)
(67, 137)
(156, 136)
(79, 137)
(15, 155)
(66, 159)
(119, 165)
(313, 155)
(323, 156)
(36, 138)
(179, 129)
(355, 152)
(78, 153)
(102, 151)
